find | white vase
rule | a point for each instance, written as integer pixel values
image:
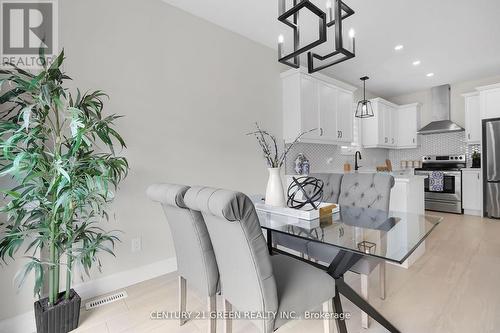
(275, 195)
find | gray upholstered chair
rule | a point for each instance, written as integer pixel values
(362, 190)
(196, 262)
(251, 279)
(331, 191)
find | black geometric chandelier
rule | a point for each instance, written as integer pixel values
(334, 19)
(364, 108)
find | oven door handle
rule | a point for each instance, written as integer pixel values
(445, 173)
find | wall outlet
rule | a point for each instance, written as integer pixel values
(136, 244)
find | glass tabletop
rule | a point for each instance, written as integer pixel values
(392, 236)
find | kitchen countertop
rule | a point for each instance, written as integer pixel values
(405, 175)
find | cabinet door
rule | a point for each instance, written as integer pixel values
(490, 103)
(328, 112)
(386, 113)
(407, 126)
(345, 116)
(471, 184)
(472, 120)
(393, 138)
(371, 133)
(309, 106)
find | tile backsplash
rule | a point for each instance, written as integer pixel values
(325, 158)
(435, 144)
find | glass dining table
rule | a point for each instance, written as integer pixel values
(356, 233)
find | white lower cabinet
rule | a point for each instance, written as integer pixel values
(472, 193)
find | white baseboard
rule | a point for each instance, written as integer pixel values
(473, 212)
(26, 322)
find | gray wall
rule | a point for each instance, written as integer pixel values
(189, 91)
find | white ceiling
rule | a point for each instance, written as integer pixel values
(455, 39)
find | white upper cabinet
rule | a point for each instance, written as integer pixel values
(316, 101)
(393, 126)
(389, 122)
(309, 108)
(328, 100)
(408, 125)
(489, 101)
(345, 115)
(472, 118)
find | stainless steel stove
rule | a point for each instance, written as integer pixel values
(450, 198)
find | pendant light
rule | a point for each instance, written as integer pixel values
(364, 108)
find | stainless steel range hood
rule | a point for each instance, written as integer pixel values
(440, 106)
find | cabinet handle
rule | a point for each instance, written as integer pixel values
(478, 175)
(393, 140)
(468, 135)
(320, 131)
(385, 140)
(413, 140)
(341, 134)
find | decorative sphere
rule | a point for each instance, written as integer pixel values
(304, 191)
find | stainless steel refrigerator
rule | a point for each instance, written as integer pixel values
(491, 151)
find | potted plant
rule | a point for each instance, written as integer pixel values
(58, 150)
(275, 195)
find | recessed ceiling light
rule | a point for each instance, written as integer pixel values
(430, 74)
(416, 63)
(398, 47)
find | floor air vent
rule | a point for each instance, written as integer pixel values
(105, 300)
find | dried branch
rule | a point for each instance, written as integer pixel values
(262, 136)
(285, 152)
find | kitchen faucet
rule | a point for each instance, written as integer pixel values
(356, 154)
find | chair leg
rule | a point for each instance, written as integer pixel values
(228, 323)
(212, 308)
(330, 325)
(182, 300)
(365, 320)
(382, 278)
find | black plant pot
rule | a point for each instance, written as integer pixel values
(60, 318)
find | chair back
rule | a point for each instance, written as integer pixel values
(331, 185)
(247, 277)
(366, 190)
(195, 255)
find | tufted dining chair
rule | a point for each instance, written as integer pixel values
(331, 191)
(361, 190)
(252, 280)
(196, 262)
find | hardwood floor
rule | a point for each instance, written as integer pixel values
(453, 288)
